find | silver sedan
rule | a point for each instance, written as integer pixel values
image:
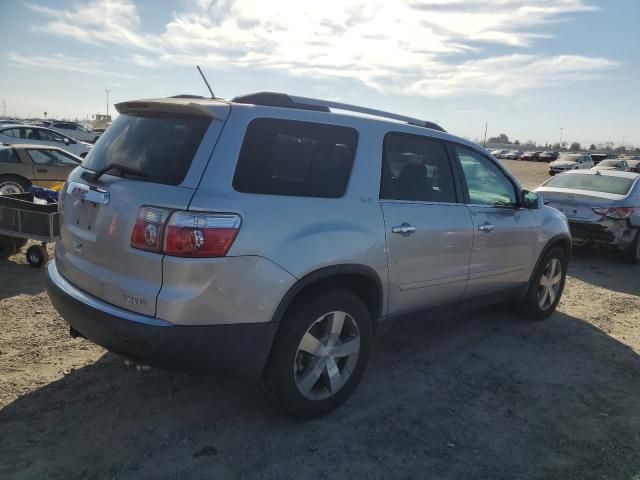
(602, 206)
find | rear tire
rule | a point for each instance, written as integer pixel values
(7, 246)
(547, 285)
(37, 256)
(632, 254)
(10, 184)
(320, 353)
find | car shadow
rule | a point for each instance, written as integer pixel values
(605, 269)
(475, 396)
(17, 277)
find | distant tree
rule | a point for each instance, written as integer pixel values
(556, 146)
(592, 147)
(637, 150)
(517, 142)
(575, 146)
(502, 138)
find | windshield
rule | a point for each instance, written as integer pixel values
(159, 146)
(594, 183)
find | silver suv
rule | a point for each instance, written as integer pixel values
(271, 235)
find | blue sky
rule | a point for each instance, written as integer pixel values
(528, 67)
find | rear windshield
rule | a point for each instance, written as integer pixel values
(289, 157)
(594, 183)
(160, 147)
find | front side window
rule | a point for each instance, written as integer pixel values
(290, 157)
(29, 134)
(416, 168)
(486, 183)
(49, 136)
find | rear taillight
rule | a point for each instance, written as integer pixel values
(185, 234)
(200, 234)
(619, 213)
(149, 228)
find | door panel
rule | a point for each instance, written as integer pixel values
(501, 257)
(504, 234)
(428, 267)
(429, 232)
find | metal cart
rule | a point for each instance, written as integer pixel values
(21, 219)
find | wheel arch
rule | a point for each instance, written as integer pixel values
(15, 176)
(362, 280)
(561, 240)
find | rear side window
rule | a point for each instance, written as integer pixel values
(288, 157)
(416, 168)
(9, 155)
(160, 147)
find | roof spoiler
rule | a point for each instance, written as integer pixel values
(164, 105)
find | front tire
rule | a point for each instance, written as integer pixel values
(320, 353)
(547, 285)
(37, 256)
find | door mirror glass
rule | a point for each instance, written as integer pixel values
(531, 200)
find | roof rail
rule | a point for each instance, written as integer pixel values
(305, 103)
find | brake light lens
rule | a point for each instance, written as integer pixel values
(149, 229)
(192, 234)
(619, 213)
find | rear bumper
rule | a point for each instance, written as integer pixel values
(618, 234)
(235, 349)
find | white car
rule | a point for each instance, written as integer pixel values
(571, 161)
(76, 130)
(12, 134)
(613, 164)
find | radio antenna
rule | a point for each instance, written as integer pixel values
(205, 81)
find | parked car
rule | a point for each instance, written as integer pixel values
(513, 155)
(602, 206)
(570, 161)
(548, 156)
(258, 235)
(598, 157)
(531, 156)
(14, 134)
(499, 153)
(613, 164)
(634, 165)
(76, 130)
(24, 165)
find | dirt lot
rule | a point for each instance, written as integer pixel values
(481, 396)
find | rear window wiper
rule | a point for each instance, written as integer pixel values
(124, 170)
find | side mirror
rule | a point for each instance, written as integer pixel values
(531, 200)
(66, 141)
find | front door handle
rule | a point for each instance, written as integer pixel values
(42, 170)
(486, 227)
(405, 229)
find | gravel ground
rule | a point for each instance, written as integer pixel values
(485, 395)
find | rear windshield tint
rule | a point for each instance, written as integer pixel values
(161, 147)
(594, 183)
(288, 157)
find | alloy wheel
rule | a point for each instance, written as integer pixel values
(550, 283)
(327, 355)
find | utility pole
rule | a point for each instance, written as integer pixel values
(560, 142)
(486, 125)
(107, 91)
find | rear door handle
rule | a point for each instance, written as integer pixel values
(486, 227)
(42, 170)
(405, 229)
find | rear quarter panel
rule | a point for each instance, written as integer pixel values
(301, 234)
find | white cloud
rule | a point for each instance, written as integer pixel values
(420, 47)
(65, 63)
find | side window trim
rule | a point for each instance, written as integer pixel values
(458, 187)
(465, 188)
